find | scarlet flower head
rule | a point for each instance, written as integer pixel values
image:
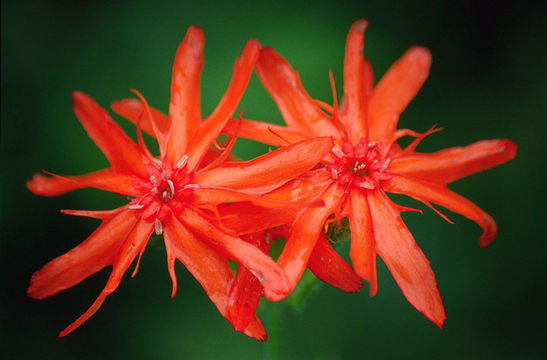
(175, 194)
(366, 163)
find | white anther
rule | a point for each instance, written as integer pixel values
(372, 143)
(158, 227)
(157, 163)
(336, 151)
(366, 185)
(154, 181)
(385, 164)
(171, 186)
(154, 190)
(136, 206)
(191, 186)
(164, 175)
(334, 173)
(182, 162)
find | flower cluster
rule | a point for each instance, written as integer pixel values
(332, 162)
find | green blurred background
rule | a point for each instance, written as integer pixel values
(487, 81)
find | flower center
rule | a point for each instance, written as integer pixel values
(167, 188)
(361, 165)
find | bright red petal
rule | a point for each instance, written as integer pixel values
(305, 234)
(270, 275)
(134, 111)
(394, 92)
(363, 248)
(455, 163)
(214, 124)
(328, 266)
(404, 259)
(184, 106)
(246, 290)
(263, 132)
(133, 244)
(268, 171)
(298, 109)
(106, 179)
(439, 194)
(122, 153)
(96, 252)
(357, 83)
(209, 268)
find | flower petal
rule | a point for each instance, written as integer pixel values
(214, 124)
(394, 92)
(298, 109)
(246, 290)
(357, 83)
(134, 111)
(122, 153)
(107, 179)
(328, 266)
(268, 171)
(305, 234)
(209, 268)
(404, 259)
(439, 194)
(96, 252)
(245, 218)
(269, 274)
(363, 248)
(451, 164)
(263, 132)
(184, 106)
(133, 244)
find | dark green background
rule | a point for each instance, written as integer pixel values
(487, 81)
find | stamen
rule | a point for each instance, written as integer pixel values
(191, 186)
(164, 175)
(372, 143)
(366, 185)
(171, 186)
(136, 206)
(336, 151)
(182, 162)
(386, 164)
(157, 163)
(158, 227)
(334, 173)
(154, 181)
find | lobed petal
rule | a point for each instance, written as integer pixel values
(305, 234)
(214, 124)
(270, 275)
(246, 290)
(134, 111)
(95, 253)
(451, 164)
(358, 83)
(209, 268)
(439, 194)
(184, 105)
(107, 179)
(268, 171)
(394, 92)
(133, 244)
(363, 247)
(404, 259)
(300, 112)
(265, 133)
(122, 153)
(328, 266)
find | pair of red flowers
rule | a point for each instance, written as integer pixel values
(332, 162)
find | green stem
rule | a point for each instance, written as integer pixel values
(272, 348)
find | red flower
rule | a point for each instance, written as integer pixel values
(175, 194)
(367, 162)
